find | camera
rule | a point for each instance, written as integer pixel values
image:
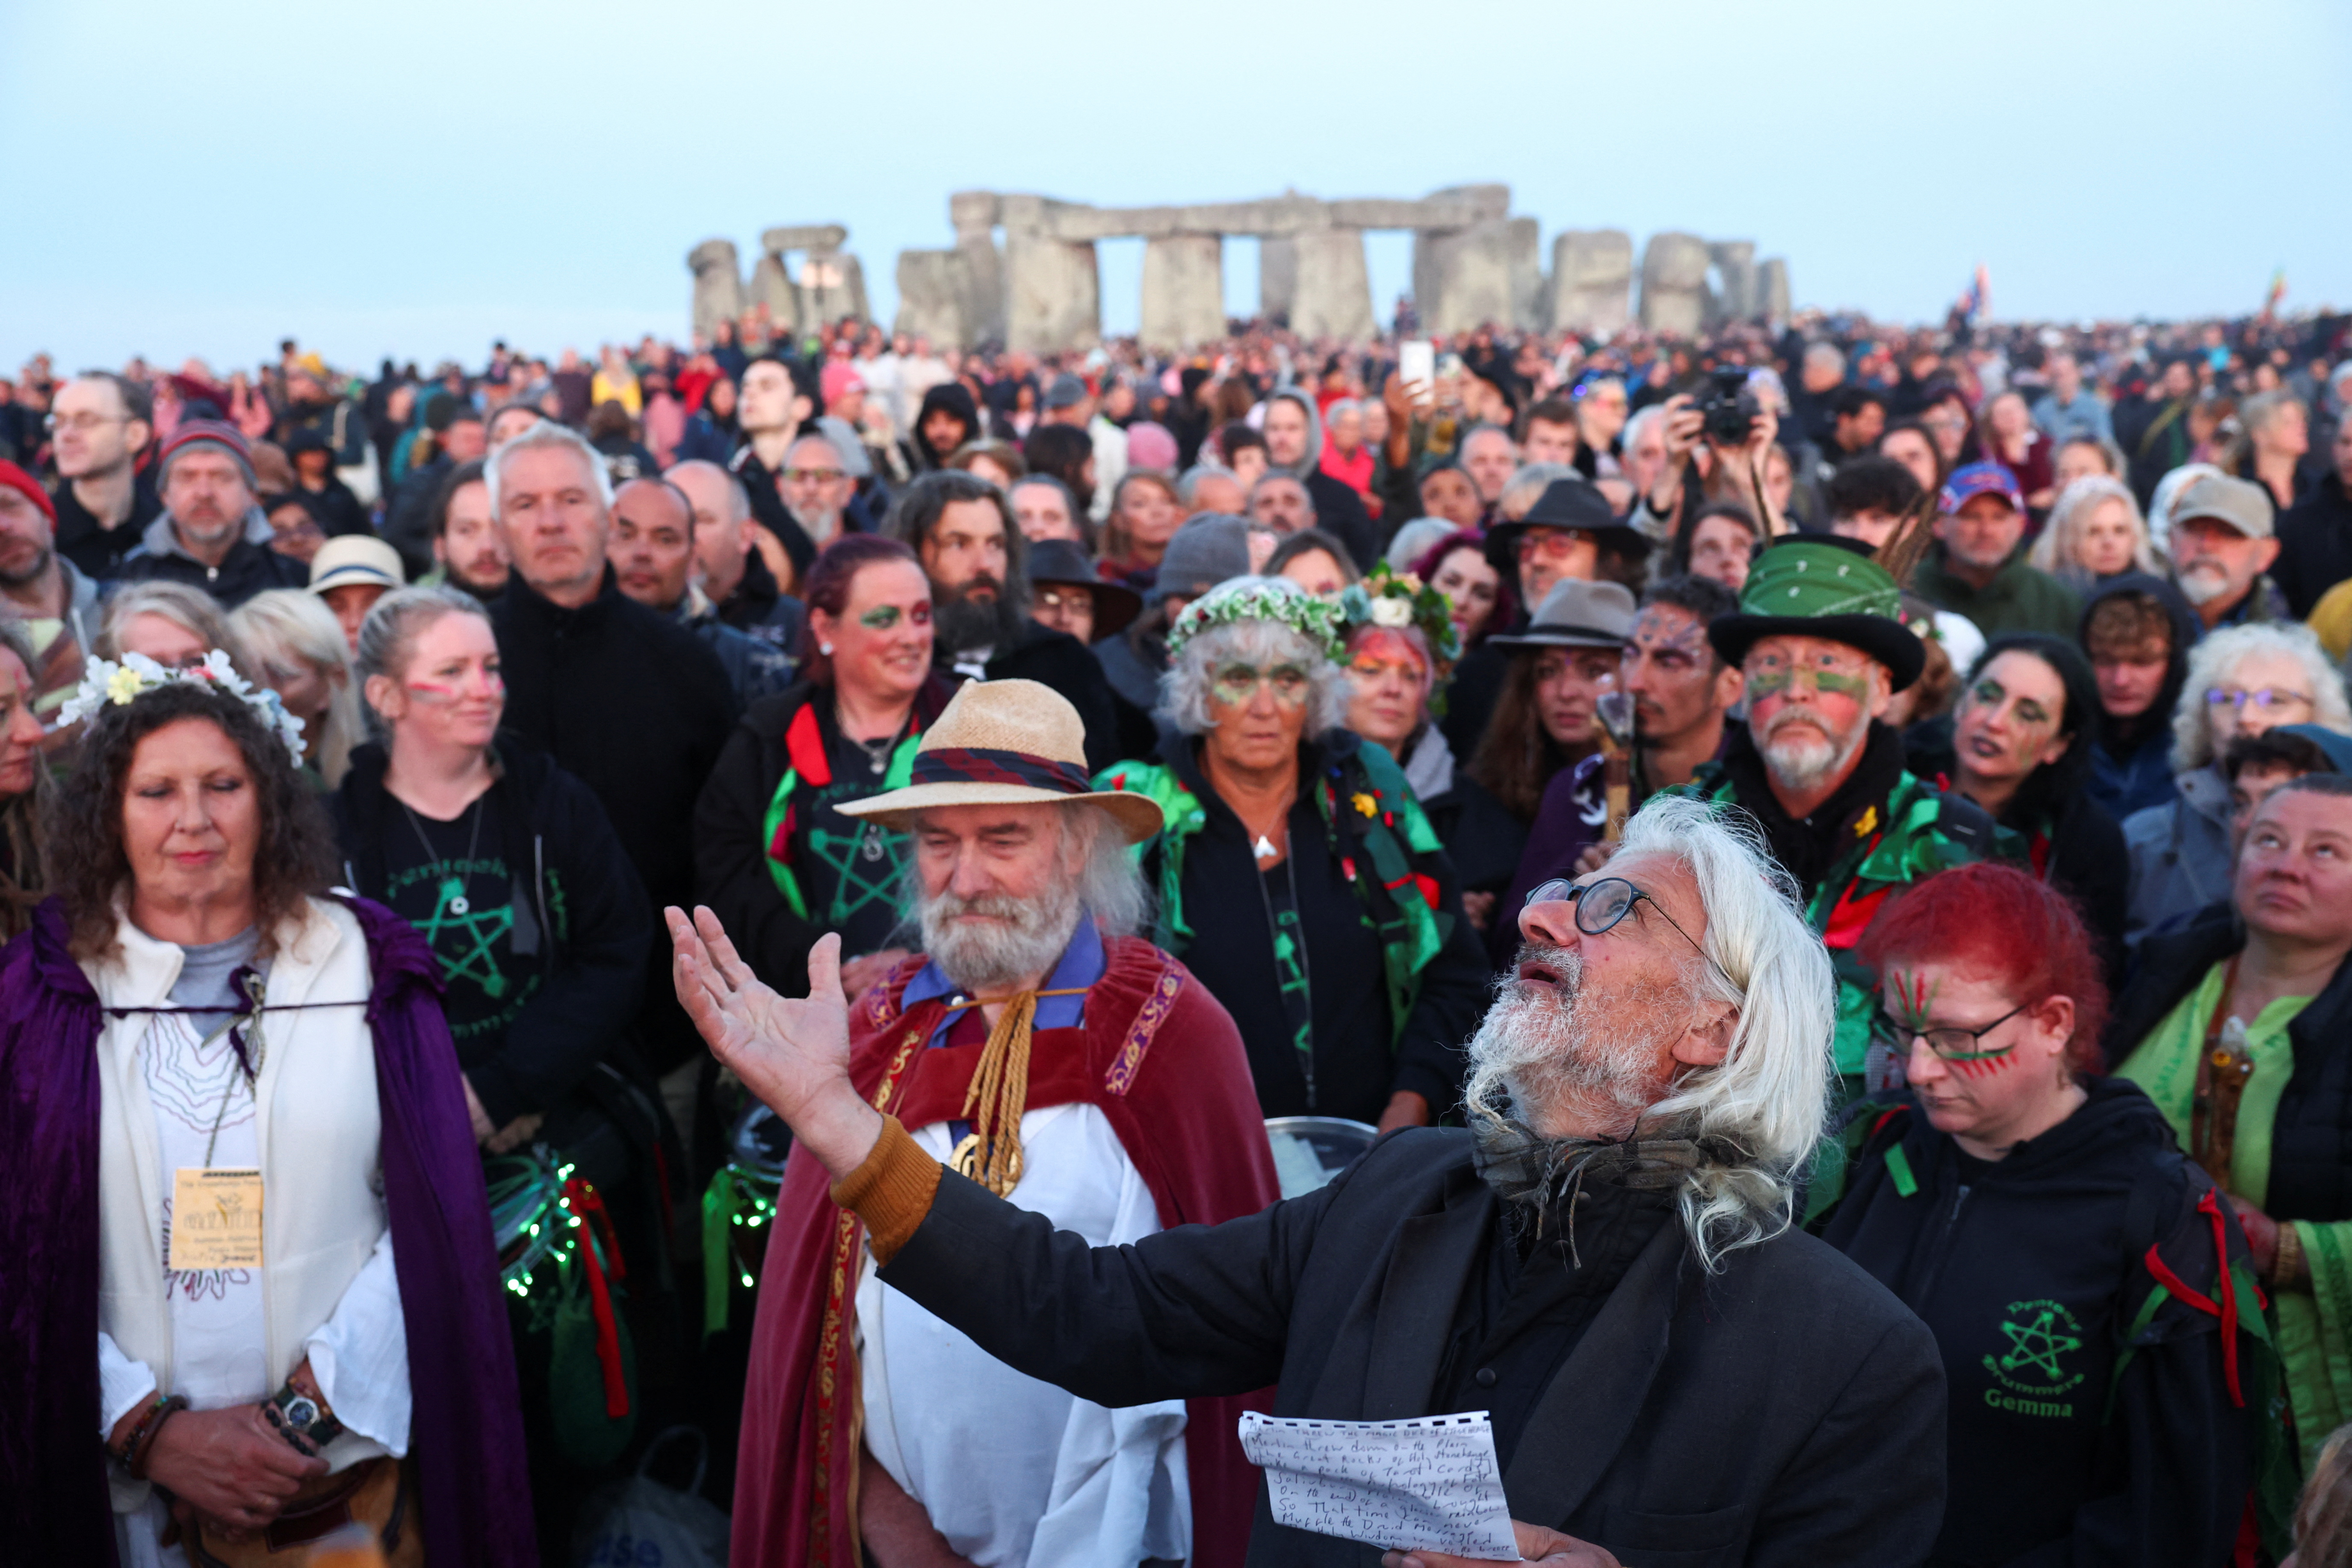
(1729, 405)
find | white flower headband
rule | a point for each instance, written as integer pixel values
(104, 682)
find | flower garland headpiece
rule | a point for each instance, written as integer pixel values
(105, 683)
(1320, 621)
(1399, 599)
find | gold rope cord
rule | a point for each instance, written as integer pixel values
(999, 1094)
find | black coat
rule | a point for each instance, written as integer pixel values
(594, 925)
(2030, 1272)
(634, 705)
(408, 520)
(2315, 546)
(98, 551)
(1061, 661)
(2310, 1135)
(1340, 512)
(1786, 1413)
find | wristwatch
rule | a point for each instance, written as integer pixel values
(303, 1420)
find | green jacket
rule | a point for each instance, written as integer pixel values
(2019, 598)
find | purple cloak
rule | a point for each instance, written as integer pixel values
(466, 1429)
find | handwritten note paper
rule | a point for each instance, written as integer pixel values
(1425, 1485)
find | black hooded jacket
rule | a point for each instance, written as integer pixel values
(956, 398)
(2131, 758)
(581, 927)
(2072, 1440)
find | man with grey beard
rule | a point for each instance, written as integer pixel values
(962, 529)
(1819, 639)
(1057, 1061)
(1603, 1265)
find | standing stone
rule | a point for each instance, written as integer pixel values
(975, 214)
(1278, 277)
(1334, 293)
(1053, 294)
(1772, 291)
(831, 285)
(718, 283)
(1184, 290)
(1673, 284)
(934, 296)
(1735, 269)
(1464, 279)
(771, 287)
(1593, 281)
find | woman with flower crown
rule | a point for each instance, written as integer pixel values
(250, 1287)
(1298, 875)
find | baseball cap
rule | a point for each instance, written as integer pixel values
(1067, 391)
(1974, 479)
(2240, 503)
(838, 380)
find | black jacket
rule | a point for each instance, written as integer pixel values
(2310, 1135)
(98, 551)
(2315, 546)
(247, 569)
(731, 852)
(759, 608)
(1361, 1056)
(632, 704)
(1786, 1413)
(408, 520)
(593, 927)
(1340, 512)
(1061, 661)
(2031, 1272)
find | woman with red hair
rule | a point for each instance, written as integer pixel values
(2108, 1379)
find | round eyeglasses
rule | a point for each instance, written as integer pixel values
(1600, 905)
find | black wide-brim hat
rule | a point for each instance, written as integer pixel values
(1567, 504)
(1821, 585)
(1059, 561)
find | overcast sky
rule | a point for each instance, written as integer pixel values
(423, 177)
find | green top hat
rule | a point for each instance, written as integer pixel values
(1817, 585)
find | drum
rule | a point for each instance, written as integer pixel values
(1309, 1150)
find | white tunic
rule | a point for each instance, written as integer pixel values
(1014, 1471)
(217, 1319)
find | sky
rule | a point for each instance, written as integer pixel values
(419, 179)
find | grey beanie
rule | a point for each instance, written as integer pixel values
(1206, 551)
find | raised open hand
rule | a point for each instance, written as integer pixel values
(792, 1053)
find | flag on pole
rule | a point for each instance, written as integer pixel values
(1978, 297)
(2277, 293)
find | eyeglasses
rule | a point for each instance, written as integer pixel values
(1552, 544)
(1600, 905)
(84, 421)
(1235, 684)
(1058, 597)
(1956, 1044)
(2267, 699)
(815, 476)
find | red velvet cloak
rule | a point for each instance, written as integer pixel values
(1160, 1058)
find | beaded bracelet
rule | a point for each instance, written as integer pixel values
(130, 1444)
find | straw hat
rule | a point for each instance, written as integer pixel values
(1005, 743)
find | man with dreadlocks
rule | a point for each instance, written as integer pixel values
(1603, 1263)
(1055, 1060)
(1817, 638)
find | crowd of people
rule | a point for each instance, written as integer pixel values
(1809, 871)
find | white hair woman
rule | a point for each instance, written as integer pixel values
(1296, 864)
(298, 649)
(169, 622)
(2242, 680)
(2095, 533)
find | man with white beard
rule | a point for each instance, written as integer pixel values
(1603, 1263)
(1058, 1061)
(1817, 637)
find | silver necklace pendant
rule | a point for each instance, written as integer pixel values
(461, 905)
(873, 846)
(1265, 851)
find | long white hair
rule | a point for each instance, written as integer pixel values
(1769, 1094)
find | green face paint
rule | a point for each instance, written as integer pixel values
(880, 618)
(1769, 682)
(1838, 682)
